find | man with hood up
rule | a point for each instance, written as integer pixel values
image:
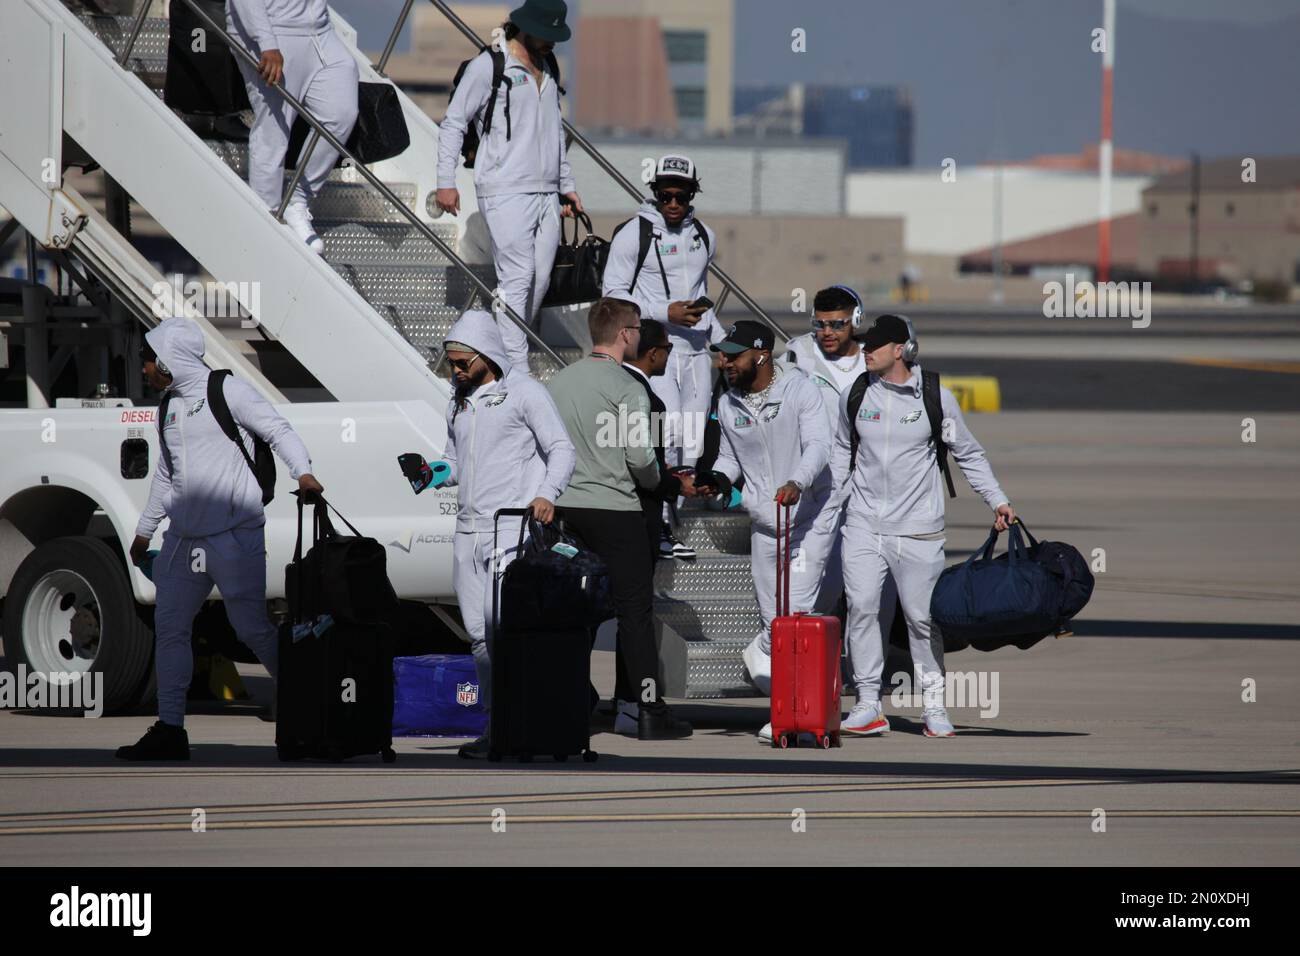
(660, 259)
(507, 448)
(775, 435)
(204, 484)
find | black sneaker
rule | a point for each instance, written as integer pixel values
(670, 547)
(658, 723)
(160, 742)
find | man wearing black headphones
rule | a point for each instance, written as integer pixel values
(889, 452)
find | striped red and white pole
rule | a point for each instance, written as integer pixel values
(1105, 158)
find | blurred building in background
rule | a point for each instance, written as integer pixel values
(1246, 230)
(654, 66)
(875, 121)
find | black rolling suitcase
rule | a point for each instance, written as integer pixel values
(541, 678)
(334, 690)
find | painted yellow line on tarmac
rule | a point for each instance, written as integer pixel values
(1249, 365)
(741, 816)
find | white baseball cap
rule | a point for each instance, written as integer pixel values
(675, 166)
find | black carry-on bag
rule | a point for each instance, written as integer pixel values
(334, 690)
(541, 677)
(202, 76)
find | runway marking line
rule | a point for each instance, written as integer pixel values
(1247, 365)
(7, 820)
(649, 817)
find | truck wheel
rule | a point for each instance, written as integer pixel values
(70, 610)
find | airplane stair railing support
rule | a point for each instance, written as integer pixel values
(729, 284)
(375, 182)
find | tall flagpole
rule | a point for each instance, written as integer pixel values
(1106, 153)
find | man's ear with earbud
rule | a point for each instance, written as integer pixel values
(761, 360)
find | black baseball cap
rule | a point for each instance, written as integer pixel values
(885, 330)
(746, 334)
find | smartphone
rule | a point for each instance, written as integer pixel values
(703, 302)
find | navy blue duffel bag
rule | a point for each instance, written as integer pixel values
(987, 602)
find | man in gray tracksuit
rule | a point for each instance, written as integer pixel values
(216, 536)
(774, 434)
(894, 500)
(521, 168)
(673, 276)
(299, 49)
(507, 448)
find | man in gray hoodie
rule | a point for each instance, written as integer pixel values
(216, 536)
(894, 521)
(507, 448)
(521, 168)
(298, 49)
(774, 434)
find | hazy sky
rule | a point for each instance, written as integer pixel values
(1218, 76)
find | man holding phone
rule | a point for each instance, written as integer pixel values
(660, 259)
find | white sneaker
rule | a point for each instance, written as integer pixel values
(866, 719)
(298, 218)
(758, 664)
(627, 717)
(937, 723)
(765, 734)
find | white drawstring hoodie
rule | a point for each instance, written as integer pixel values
(206, 487)
(506, 444)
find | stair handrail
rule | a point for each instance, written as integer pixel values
(240, 51)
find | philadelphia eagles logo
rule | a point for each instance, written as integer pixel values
(769, 412)
(911, 417)
(492, 401)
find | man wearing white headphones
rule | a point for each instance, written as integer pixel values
(829, 354)
(897, 426)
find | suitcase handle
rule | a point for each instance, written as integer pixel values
(783, 562)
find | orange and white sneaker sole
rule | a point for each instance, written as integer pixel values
(930, 733)
(874, 729)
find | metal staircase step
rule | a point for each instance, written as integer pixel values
(409, 288)
(714, 531)
(710, 575)
(150, 45)
(382, 244)
(359, 203)
(733, 619)
(715, 669)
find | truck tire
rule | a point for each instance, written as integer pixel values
(70, 608)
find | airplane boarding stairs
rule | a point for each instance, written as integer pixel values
(363, 319)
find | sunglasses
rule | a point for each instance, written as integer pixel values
(678, 196)
(833, 324)
(463, 365)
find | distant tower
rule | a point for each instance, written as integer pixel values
(1106, 154)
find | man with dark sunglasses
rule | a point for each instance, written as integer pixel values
(660, 259)
(829, 353)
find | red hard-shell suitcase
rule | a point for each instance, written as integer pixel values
(805, 663)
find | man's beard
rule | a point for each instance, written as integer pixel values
(745, 379)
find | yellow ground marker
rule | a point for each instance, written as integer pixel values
(975, 393)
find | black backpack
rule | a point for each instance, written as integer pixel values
(469, 145)
(933, 411)
(645, 239)
(262, 462)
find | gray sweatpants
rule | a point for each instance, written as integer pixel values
(184, 573)
(471, 576)
(321, 73)
(525, 231)
(915, 564)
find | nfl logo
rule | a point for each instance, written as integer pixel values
(467, 694)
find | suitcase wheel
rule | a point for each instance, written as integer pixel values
(389, 755)
(783, 741)
(825, 741)
(835, 739)
(561, 758)
(590, 756)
